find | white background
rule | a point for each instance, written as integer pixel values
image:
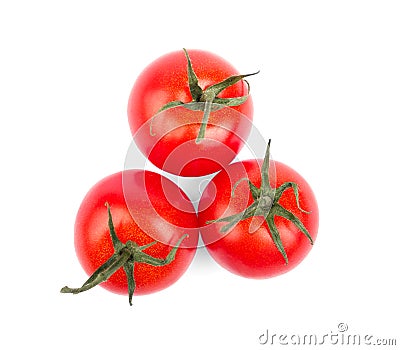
(328, 96)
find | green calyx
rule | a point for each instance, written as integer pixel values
(266, 204)
(209, 96)
(125, 256)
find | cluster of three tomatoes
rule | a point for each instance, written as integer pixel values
(137, 232)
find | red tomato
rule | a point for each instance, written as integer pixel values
(169, 138)
(155, 198)
(248, 250)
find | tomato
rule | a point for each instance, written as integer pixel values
(255, 235)
(167, 111)
(146, 209)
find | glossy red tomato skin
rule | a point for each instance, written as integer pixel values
(165, 80)
(254, 255)
(92, 238)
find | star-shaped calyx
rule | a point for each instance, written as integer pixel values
(125, 256)
(208, 96)
(266, 205)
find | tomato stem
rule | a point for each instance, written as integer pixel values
(206, 115)
(125, 256)
(209, 96)
(266, 205)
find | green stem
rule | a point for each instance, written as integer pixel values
(266, 205)
(209, 95)
(204, 122)
(125, 256)
(103, 273)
